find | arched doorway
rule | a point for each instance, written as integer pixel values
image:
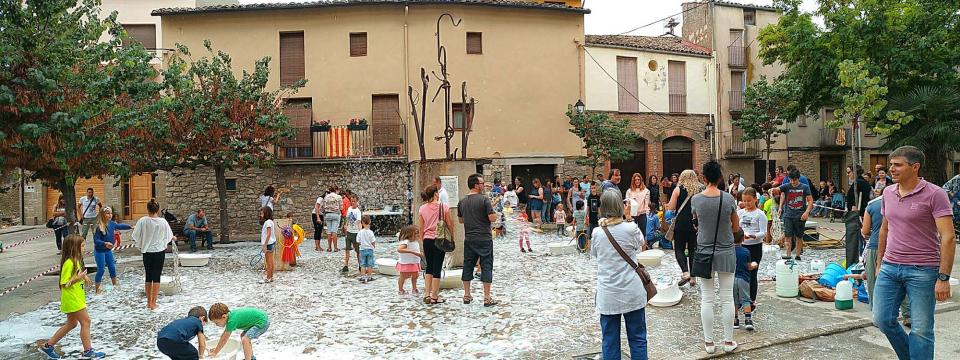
(677, 155)
(637, 163)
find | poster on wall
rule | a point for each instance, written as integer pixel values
(452, 184)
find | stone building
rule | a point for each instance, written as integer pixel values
(663, 85)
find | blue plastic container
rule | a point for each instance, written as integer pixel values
(832, 275)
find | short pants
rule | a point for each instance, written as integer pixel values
(255, 331)
(366, 258)
(793, 227)
(177, 350)
(270, 247)
(741, 292)
(352, 241)
(331, 221)
(474, 250)
(153, 265)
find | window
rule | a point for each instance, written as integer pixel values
(677, 81)
(802, 121)
(300, 113)
(474, 43)
(461, 111)
(145, 34)
(153, 185)
(628, 87)
(292, 66)
(231, 184)
(828, 116)
(749, 17)
(358, 44)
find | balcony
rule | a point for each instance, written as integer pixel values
(835, 138)
(734, 147)
(737, 56)
(736, 101)
(678, 103)
(386, 141)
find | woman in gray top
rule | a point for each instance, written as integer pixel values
(716, 213)
(620, 292)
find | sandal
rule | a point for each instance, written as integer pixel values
(437, 301)
(426, 299)
(684, 281)
(467, 299)
(489, 302)
(402, 292)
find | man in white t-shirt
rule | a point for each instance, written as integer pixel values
(441, 193)
(353, 228)
(88, 208)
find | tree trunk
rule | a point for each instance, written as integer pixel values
(936, 171)
(766, 163)
(69, 193)
(222, 198)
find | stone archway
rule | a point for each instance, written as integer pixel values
(637, 163)
(677, 154)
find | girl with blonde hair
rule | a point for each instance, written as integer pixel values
(639, 200)
(103, 244)
(684, 234)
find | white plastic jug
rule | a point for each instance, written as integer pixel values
(788, 276)
(816, 266)
(844, 297)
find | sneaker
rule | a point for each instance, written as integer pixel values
(748, 324)
(92, 354)
(710, 348)
(344, 270)
(797, 258)
(730, 347)
(736, 322)
(522, 250)
(49, 351)
(785, 257)
(529, 250)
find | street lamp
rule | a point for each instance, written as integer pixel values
(579, 106)
(709, 128)
(709, 136)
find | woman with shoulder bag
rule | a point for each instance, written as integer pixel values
(716, 213)
(620, 290)
(58, 221)
(685, 234)
(430, 213)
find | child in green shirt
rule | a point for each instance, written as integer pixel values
(73, 302)
(254, 322)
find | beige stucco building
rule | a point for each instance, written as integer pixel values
(664, 86)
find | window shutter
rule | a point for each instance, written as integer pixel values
(628, 88)
(300, 113)
(358, 44)
(677, 81)
(292, 67)
(145, 34)
(385, 121)
(474, 43)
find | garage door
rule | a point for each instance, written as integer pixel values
(81, 190)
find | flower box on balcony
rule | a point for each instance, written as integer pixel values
(319, 128)
(357, 127)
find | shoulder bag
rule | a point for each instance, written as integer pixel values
(669, 234)
(648, 285)
(443, 240)
(703, 262)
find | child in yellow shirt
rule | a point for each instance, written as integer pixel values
(73, 302)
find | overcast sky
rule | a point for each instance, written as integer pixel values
(617, 16)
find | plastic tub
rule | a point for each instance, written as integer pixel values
(451, 280)
(650, 257)
(832, 275)
(387, 266)
(194, 260)
(562, 248)
(232, 350)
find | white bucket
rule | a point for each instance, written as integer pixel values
(816, 266)
(788, 275)
(451, 279)
(232, 350)
(650, 257)
(194, 260)
(562, 248)
(387, 266)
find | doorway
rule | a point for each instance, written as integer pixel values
(528, 172)
(677, 155)
(637, 163)
(832, 169)
(758, 176)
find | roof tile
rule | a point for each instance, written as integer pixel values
(336, 3)
(656, 43)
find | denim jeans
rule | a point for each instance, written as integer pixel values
(192, 234)
(917, 283)
(104, 258)
(636, 335)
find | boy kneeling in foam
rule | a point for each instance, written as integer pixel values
(252, 321)
(174, 339)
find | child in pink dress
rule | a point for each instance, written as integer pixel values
(410, 254)
(524, 227)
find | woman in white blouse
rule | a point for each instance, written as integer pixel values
(639, 200)
(620, 293)
(151, 235)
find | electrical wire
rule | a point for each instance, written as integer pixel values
(662, 19)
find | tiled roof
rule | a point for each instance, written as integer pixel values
(517, 4)
(746, 6)
(655, 43)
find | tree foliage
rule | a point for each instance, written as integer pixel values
(70, 104)
(211, 117)
(934, 117)
(605, 139)
(767, 108)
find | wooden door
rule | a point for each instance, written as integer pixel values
(139, 195)
(81, 191)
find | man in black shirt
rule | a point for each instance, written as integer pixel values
(476, 214)
(593, 205)
(863, 191)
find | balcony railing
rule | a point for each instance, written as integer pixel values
(340, 142)
(735, 147)
(678, 103)
(736, 101)
(738, 56)
(835, 137)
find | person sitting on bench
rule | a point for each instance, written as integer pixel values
(197, 225)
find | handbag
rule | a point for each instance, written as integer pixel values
(669, 234)
(442, 238)
(648, 285)
(703, 263)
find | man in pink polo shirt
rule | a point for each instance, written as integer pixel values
(914, 255)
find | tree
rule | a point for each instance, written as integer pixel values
(69, 104)
(605, 139)
(934, 113)
(767, 108)
(212, 118)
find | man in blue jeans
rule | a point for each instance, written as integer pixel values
(912, 260)
(197, 225)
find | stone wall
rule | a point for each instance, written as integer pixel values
(377, 183)
(807, 161)
(10, 199)
(655, 128)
